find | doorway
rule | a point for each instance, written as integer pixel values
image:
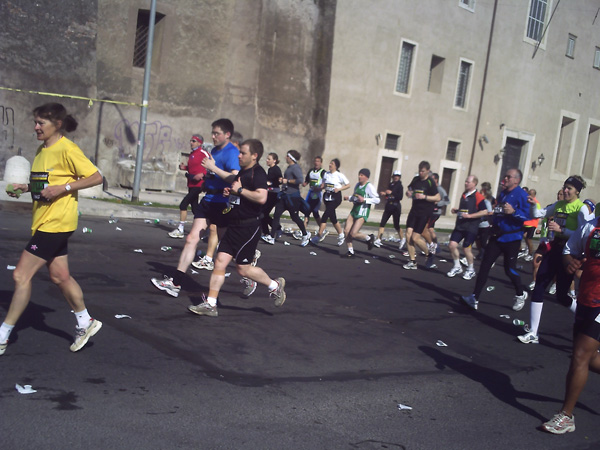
(513, 152)
(446, 182)
(385, 176)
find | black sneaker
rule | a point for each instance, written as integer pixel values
(371, 241)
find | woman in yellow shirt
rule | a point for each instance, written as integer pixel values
(58, 171)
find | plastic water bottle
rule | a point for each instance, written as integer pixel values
(86, 230)
(166, 248)
(518, 322)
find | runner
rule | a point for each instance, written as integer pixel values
(314, 178)
(429, 233)
(247, 194)
(393, 208)
(273, 176)
(59, 170)
(334, 182)
(364, 196)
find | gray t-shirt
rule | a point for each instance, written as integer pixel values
(293, 172)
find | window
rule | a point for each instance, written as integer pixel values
(391, 141)
(537, 19)
(467, 4)
(452, 150)
(462, 88)
(141, 37)
(597, 58)
(571, 46)
(436, 74)
(591, 152)
(565, 144)
(404, 67)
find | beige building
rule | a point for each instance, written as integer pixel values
(470, 86)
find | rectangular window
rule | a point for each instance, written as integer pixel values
(462, 88)
(436, 74)
(404, 67)
(391, 141)
(452, 150)
(565, 142)
(591, 152)
(467, 4)
(597, 58)
(537, 19)
(571, 46)
(141, 37)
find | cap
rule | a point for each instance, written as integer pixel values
(397, 172)
(365, 172)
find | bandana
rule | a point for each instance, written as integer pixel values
(578, 185)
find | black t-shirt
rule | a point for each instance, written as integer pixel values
(394, 198)
(251, 179)
(273, 176)
(426, 187)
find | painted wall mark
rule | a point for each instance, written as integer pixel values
(159, 144)
(7, 126)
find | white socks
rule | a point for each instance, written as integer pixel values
(536, 316)
(83, 318)
(5, 331)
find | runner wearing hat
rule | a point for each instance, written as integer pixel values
(393, 208)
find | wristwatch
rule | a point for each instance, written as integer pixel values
(239, 191)
(67, 187)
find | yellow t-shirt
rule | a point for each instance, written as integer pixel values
(61, 163)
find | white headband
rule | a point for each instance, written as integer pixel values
(291, 157)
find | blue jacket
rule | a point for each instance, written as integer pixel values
(510, 226)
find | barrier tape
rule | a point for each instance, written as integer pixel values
(76, 97)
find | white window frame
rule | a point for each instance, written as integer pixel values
(596, 63)
(469, 5)
(545, 23)
(468, 87)
(411, 71)
(555, 174)
(590, 181)
(571, 42)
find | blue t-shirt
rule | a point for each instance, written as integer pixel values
(227, 159)
(510, 225)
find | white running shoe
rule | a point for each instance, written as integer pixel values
(323, 236)
(268, 239)
(402, 243)
(464, 262)
(167, 285)
(454, 271)
(377, 243)
(341, 239)
(532, 286)
(469, 274)
(297, 235)
(82, 335)
(552, 290)
(204, 264)
(176, 234)
(520, 301)
(257, 254)
(529, 338)
(305, 239)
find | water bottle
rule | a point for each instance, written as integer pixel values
(156, 221)
(518, 322)
(166, 248)
(490, 288)
(87, 230)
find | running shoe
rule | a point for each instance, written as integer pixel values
(341, 239)
(560, 424)
(529, 338)
(315, 239)
(520, 301)
(572, 295)
(305, 239)
(249, 286)
(204, 309)
(350, 254)
(297, 235)
(469, 274)
(371, 241)
(532, 285)
(454, 271)
(552, 290)
(433, 248)
(323, 236)
(377, 243)
(268, 239)
(411, 265)
(176, 234)
(278, 294)
(167, 285)
(3, 347)
(257, 254)
(203, 263)
(470, 301)
(464, 262)
(83, 335)
(522, 254)
(402, 243)
(528, 258)
(429, 264)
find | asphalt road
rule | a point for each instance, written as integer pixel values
(327, 370)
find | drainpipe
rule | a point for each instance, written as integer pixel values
(485, 72)
(144, 112)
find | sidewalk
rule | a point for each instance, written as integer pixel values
(89, 204)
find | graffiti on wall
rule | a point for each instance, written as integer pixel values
(159, 142)
(7, 126)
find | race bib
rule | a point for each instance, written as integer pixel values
(39, 181)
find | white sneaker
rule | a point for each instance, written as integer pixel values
(377, 243)
(464, 262)
(323, 236)
(82, 335)
(176, 234)
(410, 265)
(454, 271)
(167, 285)
(341, 239)
(402, 243)
(268, 239)
(552, 290)
(297, 235)
(528, 258)
(532, 286)
(520, 301)
(305, 239)
(469, 274)
(257, 254)
(529, 338)
(204, 264)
